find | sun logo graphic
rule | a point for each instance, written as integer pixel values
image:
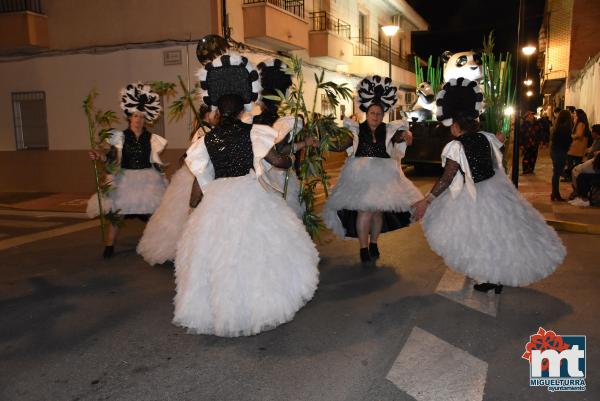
(556, 362)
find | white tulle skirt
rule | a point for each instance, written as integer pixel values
(159, 241)
(244, 263)
(498, 238)
(132, 192)
(370, 184)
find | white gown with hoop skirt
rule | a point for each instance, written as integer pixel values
(487, 230)
(245, 262)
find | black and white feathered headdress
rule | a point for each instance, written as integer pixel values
(139, 97)
(376, 90)
(273, 77)
(459, 96)
(229, 74)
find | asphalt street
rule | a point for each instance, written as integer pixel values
(76, 327)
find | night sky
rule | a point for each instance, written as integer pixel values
(461, 25)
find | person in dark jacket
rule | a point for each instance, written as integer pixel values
(561, 142)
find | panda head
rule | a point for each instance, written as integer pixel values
(462, 64)
(425, 91)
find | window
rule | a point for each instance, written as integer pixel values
(362, 27)
(29, 115)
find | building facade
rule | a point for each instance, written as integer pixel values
(569, 39)
(55, 52)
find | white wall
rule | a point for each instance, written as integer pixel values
(68, 79)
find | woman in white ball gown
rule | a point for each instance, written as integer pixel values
(245, 262)
(138, 185)
(474, 217)
(372, 195)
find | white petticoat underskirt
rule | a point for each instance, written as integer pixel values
(498, 238)
(369, 184)
(159, 241)
(132, 192)
(244, 263)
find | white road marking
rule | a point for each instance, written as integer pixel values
(26, 239)
(28, 223)
(41, 214)
(430, 369)
(458, 288)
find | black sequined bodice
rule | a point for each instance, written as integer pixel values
(230, 149)
(479, 155)
(366, 146)
(136, 151)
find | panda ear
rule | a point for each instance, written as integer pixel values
(446, 56)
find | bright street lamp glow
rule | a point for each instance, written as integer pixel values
(529, 93)
(528, 50)
(528, 82)
(390, 30)
(509, 111)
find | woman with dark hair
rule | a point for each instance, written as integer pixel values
(581, 132)
(372, 195)
(560, 143)
(474, 217)
(245, 262)
(138, 185)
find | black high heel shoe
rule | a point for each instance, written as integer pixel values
(485, 287)
(109, 250)
(373, 250)
(365, 257)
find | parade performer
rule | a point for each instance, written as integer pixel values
(138, 186)
(372, 195)
(474, 217)
(245, 262)
(273, 78)
(159, 241)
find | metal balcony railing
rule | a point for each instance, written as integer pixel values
(294, 6)
(13, 6)
(323, 21)
(372, 47)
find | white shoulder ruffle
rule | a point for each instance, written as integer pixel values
(398, 150)
(157, 145)
(285, 125)
(455, 151)
(116, 139)
(198, 161)
(263, 139)
(354, 127)
(496, 146)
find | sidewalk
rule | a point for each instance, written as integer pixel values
(534, 187)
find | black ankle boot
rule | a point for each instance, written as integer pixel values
(108, 251)
(373, 250)
(364, 255)
(485, 287)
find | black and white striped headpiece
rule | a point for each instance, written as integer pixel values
(139, 97)
(376, 90)
(459, 96)
(229, 74)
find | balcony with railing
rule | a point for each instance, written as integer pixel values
(275, 24)
(373, 48)
(23, 26)
(329, 38)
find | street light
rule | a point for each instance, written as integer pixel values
(389, 31)
(528, 82)
(528, 50)
(529, 93)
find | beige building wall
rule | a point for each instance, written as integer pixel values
(559, 38)
(73, 24)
